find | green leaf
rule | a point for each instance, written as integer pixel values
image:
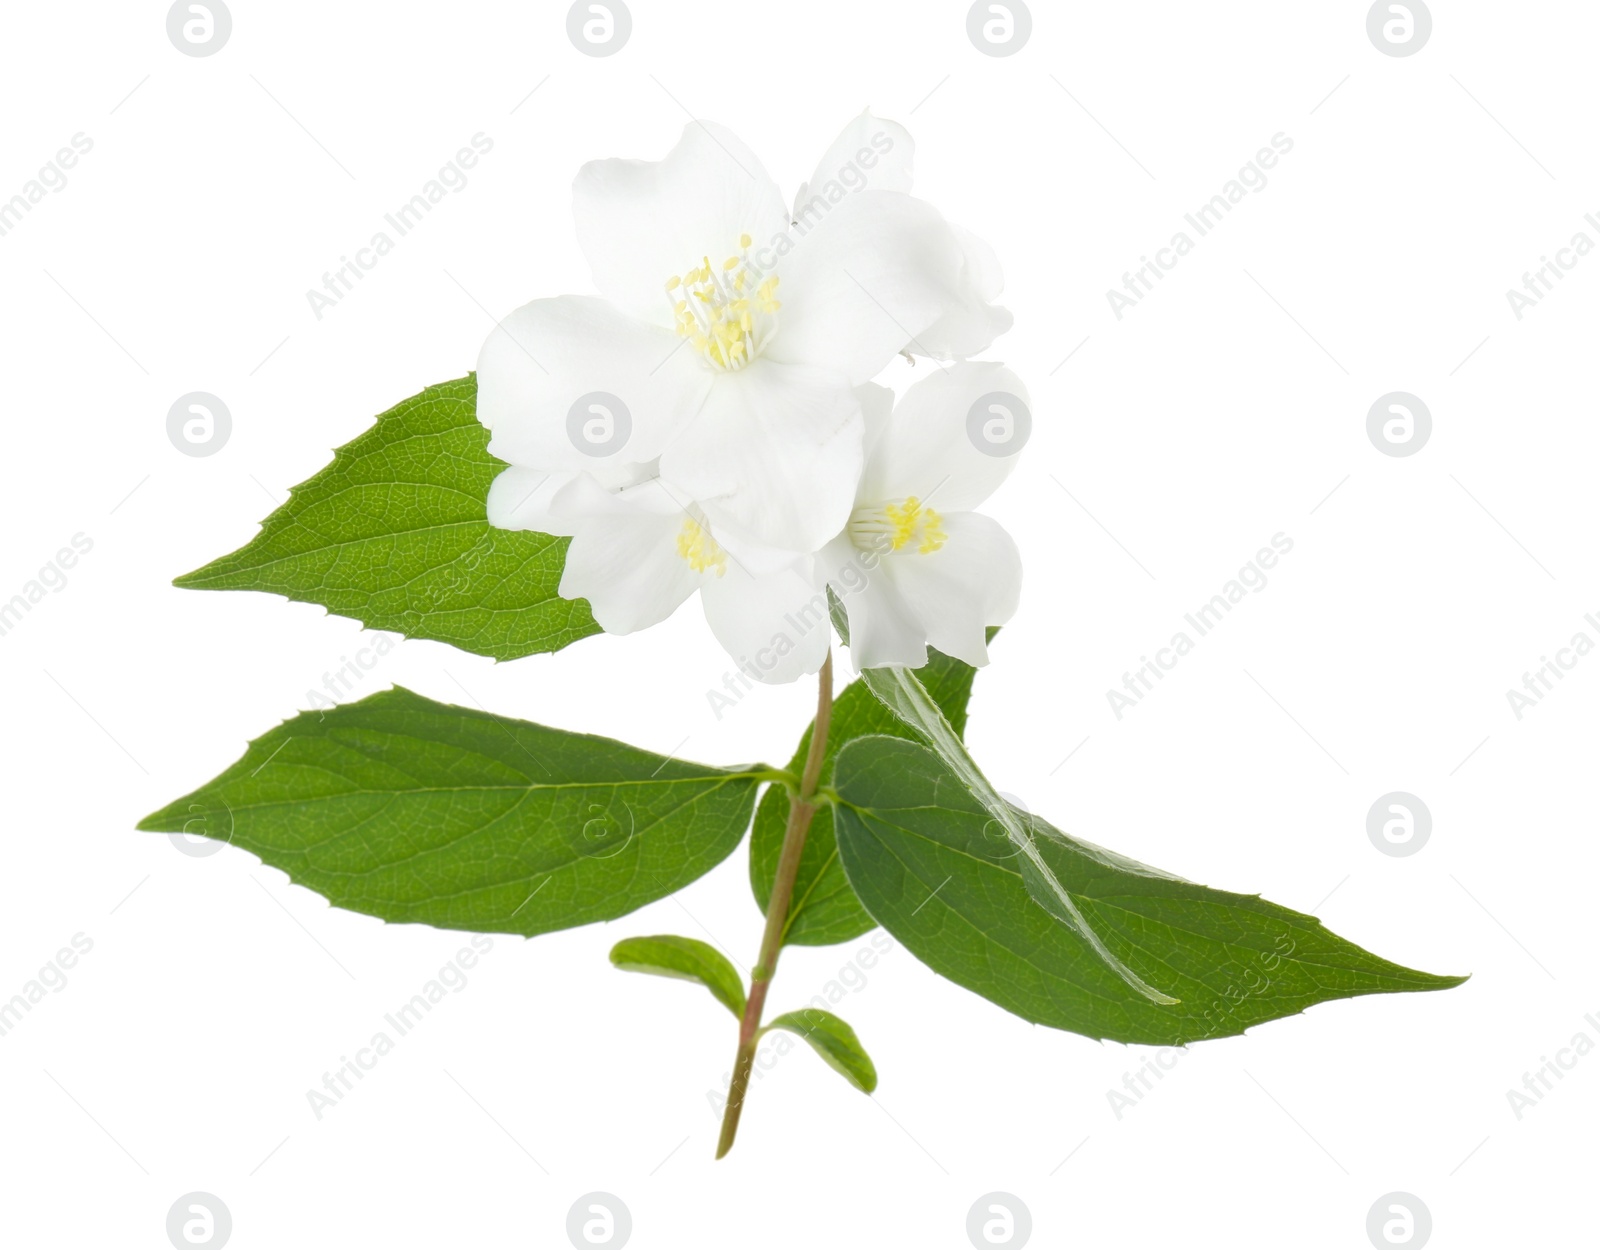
(824, 909)
(901, 691)
(394, 533)
(685, 959)
(935, 869)
(419, 812)
(834, 1040)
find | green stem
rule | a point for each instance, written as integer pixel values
(801, 809)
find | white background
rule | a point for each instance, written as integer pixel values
(1222, 410)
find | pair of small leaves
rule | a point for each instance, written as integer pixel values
(689, 959)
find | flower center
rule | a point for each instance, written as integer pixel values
(730, 313)
(700, 550)
(893, 526)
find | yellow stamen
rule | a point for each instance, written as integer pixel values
(728, 314)
(895, 526)
(699, 549)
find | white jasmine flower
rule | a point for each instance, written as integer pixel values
(915, 566)
(733, 338)
(638, 553)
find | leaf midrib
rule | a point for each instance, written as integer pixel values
(526, 790)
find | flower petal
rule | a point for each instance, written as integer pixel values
(882, 629)
(877, 405)
(971, 324)
(750, 554)
(521, 499)
(642, 222)
(869, 153)
(957, 592)
(775, 626)
(774, 454)
(626, 564)
(548, 355)
(866, 281)
(624, 556)
(588, 495)
(933, 447)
